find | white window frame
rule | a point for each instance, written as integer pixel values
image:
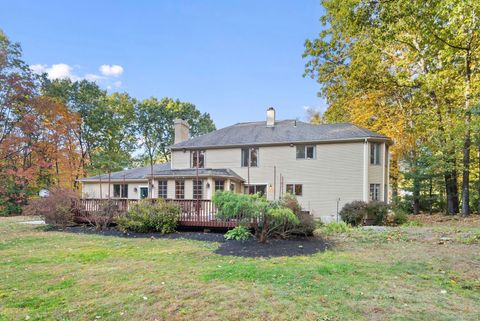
(305, 148)
(375, 154)
(294, 189)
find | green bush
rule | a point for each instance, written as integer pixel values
(333, 228)
(306, 224)
(376, 213)
(354, 213)
(239, 233)
(269, 216)
(147, 216)
(399, 217)
(359, 213)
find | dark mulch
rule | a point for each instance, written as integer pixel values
(250, 248)
(292, 247)
(112, 231)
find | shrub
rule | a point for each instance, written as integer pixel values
(58, 208)
(333, 228)
(399, 217)
(148, 216)
(239, 233)
(105, 215)
(306, 224)
(376, 213)
(269, 216)
(353, 213)
(358, 213)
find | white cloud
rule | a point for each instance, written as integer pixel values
(111, 70)
(56, 71)
(93, 77)
(64, 71)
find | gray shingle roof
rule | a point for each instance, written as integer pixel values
(134, 173)
(164, 170)
(284, 132)
(202, 172)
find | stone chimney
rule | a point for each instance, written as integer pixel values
(182, 132)
(270, 117)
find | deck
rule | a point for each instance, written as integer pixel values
(194, 213)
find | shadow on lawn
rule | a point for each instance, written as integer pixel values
(250, 248)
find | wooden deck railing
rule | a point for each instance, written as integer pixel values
(194, 213)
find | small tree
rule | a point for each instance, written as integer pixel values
(267, 215)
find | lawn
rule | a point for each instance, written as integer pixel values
(416, 273)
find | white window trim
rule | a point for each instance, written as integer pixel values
(305, 152)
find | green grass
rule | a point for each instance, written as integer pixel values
(48, 275)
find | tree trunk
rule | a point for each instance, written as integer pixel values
(430, 197)
(416, 195)
(451, 189)
(467, 141)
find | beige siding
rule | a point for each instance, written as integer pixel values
(92, 190)
(335, 173)
(180, 159)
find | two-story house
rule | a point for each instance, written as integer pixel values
(325, 166)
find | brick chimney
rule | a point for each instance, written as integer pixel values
(182, 132)
(270, 117)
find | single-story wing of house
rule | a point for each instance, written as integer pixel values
(325, 166)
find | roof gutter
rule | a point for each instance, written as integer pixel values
(329, 141)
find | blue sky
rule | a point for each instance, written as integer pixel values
(232, 58)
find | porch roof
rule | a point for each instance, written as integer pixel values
(202, 172)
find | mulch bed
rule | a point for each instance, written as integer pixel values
(273, 248)
(250, 248)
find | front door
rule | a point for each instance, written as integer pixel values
(143, 192)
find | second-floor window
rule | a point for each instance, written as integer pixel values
(250, 157)
(305, 151)
(197, 156)
(162, 189)
(375, 149)
(120, 190)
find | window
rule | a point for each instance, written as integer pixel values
(162, 189)
(254, 189)
(295, 189)
(200, 154)
(120, 190)
(197, 189)
(306, 152)
(219, 185)
(180, 189)
(375, 149)
(374, 192)
(250, 157)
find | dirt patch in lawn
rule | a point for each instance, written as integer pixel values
(273, 248)
(439, 219)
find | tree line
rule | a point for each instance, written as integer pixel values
(408, 69)
(53, 132)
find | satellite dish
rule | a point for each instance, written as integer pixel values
(43, 193)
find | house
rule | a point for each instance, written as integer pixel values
(325, 166)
